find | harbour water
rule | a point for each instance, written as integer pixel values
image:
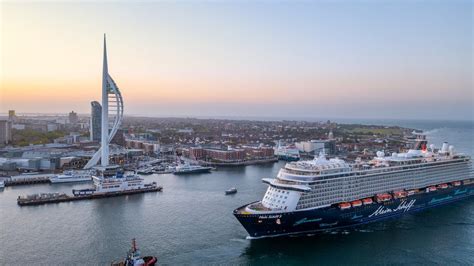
(191, 222)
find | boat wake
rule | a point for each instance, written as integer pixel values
(433, 131)
(240, 240)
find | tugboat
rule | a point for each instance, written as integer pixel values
(133, 258)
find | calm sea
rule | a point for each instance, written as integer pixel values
(191, 222)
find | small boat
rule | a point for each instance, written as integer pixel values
(356, 203)
(133, 258)
(231, 191)
(145, 171)
(344, 205)
(383, 197)
(431, 189)
(456, 183)
(411, 192)
(367, 201)
(443, 186)
(399, 194)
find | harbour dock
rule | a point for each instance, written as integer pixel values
(27, 180)
(46, 198)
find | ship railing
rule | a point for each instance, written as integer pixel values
(258, 206)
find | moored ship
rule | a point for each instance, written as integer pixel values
(188, 168)
(71, 176)
(321, 195)
(287, 153)
(112, 179)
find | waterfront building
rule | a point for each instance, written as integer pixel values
(148, 146)
(5, 132)
(225, 155)
(316, 146)
(119, 138)
(73, 118)
(96, 121)
(11, 115)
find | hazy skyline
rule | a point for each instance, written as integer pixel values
(393, 59)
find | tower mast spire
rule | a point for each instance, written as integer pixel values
(105, 110)
(111, 98)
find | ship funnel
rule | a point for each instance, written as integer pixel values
(444, 148)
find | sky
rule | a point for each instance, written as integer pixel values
(347, 59)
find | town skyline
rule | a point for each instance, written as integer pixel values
(340, 59)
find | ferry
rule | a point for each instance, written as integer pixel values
(319, 195)
(112, 179)
(71, 176)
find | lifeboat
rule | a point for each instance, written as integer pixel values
(399, 194)
(383, 197)
(356, 203)
(431, 189)
(411, 192)
(367, 201)
(344, 205)
(456, 183)
(443, 186)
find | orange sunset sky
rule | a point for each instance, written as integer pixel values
(321, 59)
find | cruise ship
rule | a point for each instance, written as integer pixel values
(71, 176)
(321, 195)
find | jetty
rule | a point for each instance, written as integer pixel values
(46, 198)
(27, 180)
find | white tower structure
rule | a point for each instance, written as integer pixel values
(112, 107)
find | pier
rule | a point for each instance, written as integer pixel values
(26, 181)
(47, 198)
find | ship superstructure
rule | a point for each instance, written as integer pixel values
(287, 153)
(72, 176)
(187, 168)
(321, 184)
